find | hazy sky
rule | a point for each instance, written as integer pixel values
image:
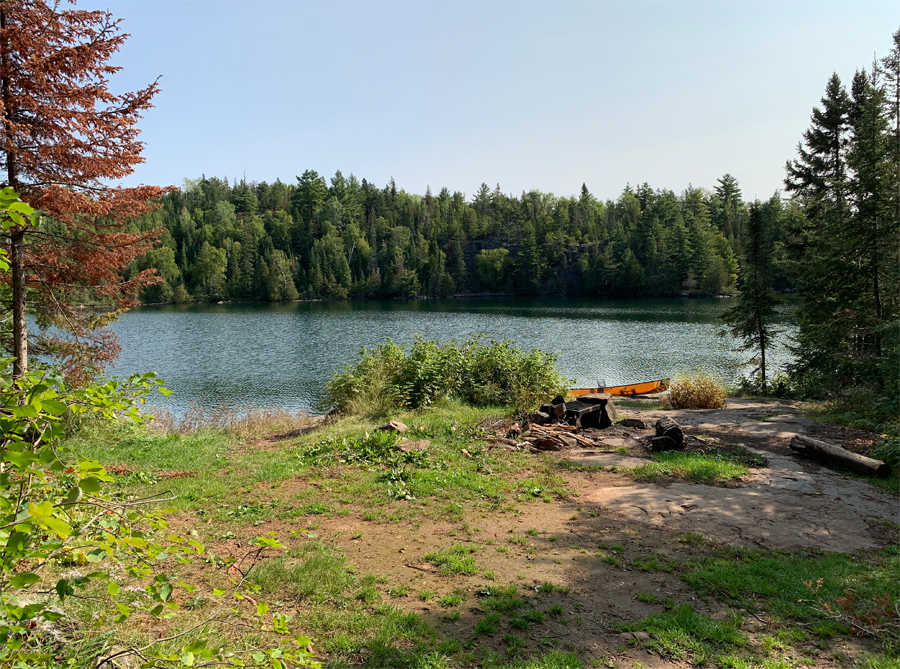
(528, 95)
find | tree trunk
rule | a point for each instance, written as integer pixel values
(20, 324)
(17, 234)
(840, 457)
(762, 350)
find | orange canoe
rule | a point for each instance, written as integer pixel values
(631, 389)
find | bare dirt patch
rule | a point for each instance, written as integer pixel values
(791, 503)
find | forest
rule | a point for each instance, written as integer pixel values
(345, 238)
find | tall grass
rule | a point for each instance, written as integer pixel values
(248, 423)
(476, 372)
(695, 392)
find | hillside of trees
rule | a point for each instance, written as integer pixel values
(345, 238)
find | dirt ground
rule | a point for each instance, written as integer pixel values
(593, 544)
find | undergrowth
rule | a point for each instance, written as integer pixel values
(695, 392)
(478, 373)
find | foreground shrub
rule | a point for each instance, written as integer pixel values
(695, 392)
(67, 533)
(475, 372)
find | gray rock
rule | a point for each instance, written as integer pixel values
(410, 446)
(393, 426)
(540, 417)
(633, 422)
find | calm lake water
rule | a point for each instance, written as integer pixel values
(281, 355)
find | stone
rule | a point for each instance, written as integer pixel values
(664, 444)
(540, 417)
(393, 426)
(633, 422)
(595, 398)
(410, 446)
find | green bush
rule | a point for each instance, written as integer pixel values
(475, 372)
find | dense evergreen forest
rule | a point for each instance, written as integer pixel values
(346, 238)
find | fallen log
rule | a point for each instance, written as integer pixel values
(666, 427)
(840, 457)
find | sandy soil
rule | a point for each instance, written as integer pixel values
(590, 543)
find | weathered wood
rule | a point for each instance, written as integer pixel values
(666, 427)
(664, 443)
(840, 457)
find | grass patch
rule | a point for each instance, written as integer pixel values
(697, 467)
(455, 560)
(489, 624)
(787, 585)
(314, 573)
(685, 635)
(502, 599)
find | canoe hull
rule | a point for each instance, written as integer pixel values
(628, 390)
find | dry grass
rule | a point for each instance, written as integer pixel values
(695, 392)
(249, 423)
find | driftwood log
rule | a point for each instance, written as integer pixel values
(666, 427)
(840, 457)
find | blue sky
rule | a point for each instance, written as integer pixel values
(528, 95)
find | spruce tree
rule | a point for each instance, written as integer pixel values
(751, 321)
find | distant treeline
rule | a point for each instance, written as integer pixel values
(343, 238)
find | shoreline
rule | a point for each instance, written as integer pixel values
(458, 296)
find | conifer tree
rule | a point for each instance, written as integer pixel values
(751, 321)
(63, 135)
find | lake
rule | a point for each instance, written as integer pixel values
(281, 355)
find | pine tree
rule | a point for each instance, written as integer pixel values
(64, 136)
(752, 320)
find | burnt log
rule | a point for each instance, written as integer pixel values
(840, 457)
(664, 443)
(633, 422)
(666, 427)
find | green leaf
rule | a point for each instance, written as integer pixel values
(23, 207)
(54, 407)
(90, 485)
(25, 411)
(262, 609)
(61, 527)
(74, 496)
(40, 511)
(217, 592)
(96, 555)
(187, 659)
(24, 580)
(113, 589)
(63, 588)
